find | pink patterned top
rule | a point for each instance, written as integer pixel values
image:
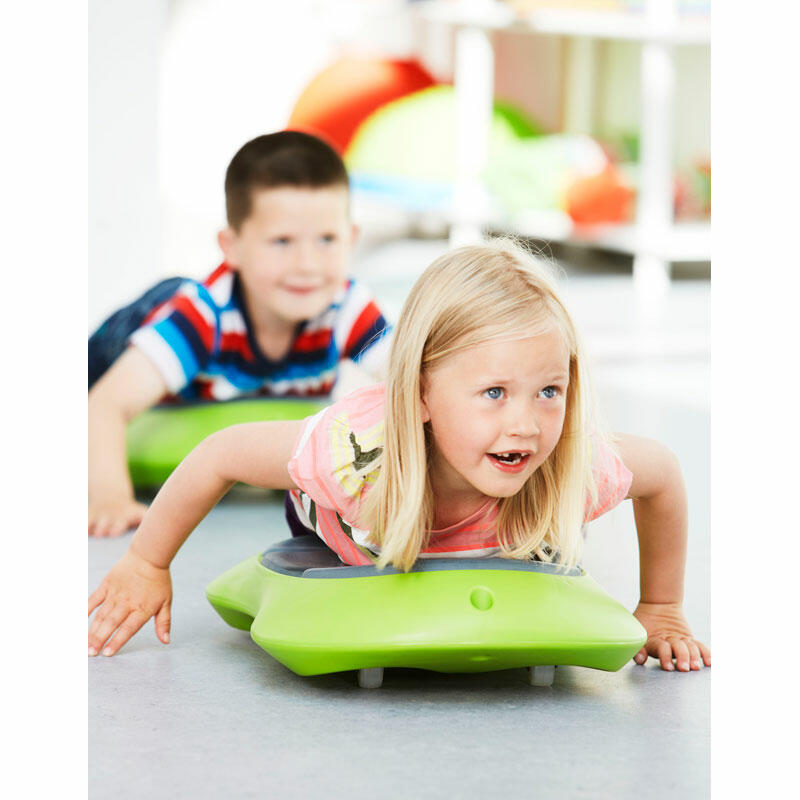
(328, 467)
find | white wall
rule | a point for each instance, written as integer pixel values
(177, 86)
(124, 210)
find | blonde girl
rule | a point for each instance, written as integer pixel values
(483, 441)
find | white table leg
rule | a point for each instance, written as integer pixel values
(651, 268)
(474, 87)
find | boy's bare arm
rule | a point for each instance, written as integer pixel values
(661, 514)
(138, 586)
(131, 385)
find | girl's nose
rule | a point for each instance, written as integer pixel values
(522, 422)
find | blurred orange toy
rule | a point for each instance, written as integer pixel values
(343, 95)
(600, 198)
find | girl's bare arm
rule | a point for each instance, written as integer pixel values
(139, 586)
(660, 510)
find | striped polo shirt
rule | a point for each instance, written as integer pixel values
(329, 468)
(201, 342)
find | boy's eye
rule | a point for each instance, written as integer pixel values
(281, 240)
(495, 393)
(328, 238)
(549, 392)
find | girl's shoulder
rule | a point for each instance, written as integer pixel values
(363, 408)
(333, 453)
(612, 479)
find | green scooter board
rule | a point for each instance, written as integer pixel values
(160, 438)
(316, 616)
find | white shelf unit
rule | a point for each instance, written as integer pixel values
(630, 25)
(654, 240)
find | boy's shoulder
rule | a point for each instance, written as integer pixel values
(215, 290)
(220, 285)
(351, 289)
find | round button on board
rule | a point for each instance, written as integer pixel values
(481, 598)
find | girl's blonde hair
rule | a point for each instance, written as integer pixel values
(466, 297)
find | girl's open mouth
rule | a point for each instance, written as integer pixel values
(510, 462)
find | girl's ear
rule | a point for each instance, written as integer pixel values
(423, 406)
(227, 241)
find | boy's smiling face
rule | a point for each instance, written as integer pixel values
(291, 252)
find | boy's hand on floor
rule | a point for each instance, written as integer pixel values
(668, 637)
(132, 592)
(115, 518)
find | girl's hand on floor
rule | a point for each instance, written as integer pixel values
(114, 518)
(132, 592)
(668, 637)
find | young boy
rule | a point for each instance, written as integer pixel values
(276, 317)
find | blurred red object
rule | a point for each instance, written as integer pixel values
(601, 198)
(343, 95)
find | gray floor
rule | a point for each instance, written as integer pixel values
(212, 715)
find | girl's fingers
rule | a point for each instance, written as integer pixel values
(97, 597)
(105, 622)
(662, 650)
(689, 654)
(126, 629)
(695, 662)
(681, 652)
(162, 621)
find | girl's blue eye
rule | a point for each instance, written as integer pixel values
(281, 240)
(495, 393)
(328, 238)
(549, 392)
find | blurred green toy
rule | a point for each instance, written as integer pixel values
(412, 138)
(316, 616)
(406, 151)
(160, 438)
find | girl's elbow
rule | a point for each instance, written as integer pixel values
(221, 453)
(209, 454)
(672, 464)
(669, 473)
(656, 469)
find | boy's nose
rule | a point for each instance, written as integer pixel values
(307, 258)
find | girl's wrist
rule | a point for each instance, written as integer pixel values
(136, 550)
(661, 603)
